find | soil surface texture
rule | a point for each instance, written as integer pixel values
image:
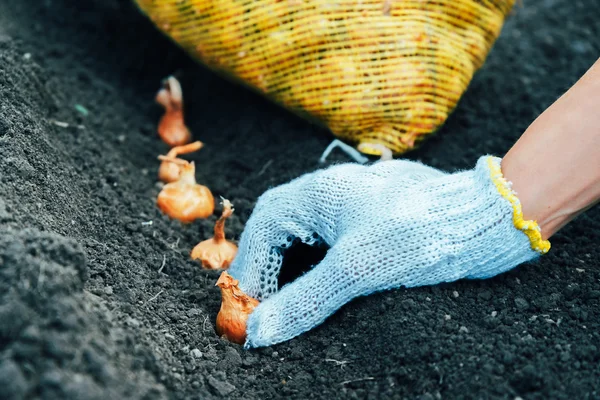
(99, 298)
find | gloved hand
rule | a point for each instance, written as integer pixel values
(395, 223)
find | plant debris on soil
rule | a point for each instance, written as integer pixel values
(99, 297)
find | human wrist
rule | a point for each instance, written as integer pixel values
(530, 227)
(554, 167)
(550, 199)
(533, 193)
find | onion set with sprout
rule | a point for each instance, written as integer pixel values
(169, 171)
(217, 252)
(171, 128)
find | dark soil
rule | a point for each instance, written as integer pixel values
(85, 312)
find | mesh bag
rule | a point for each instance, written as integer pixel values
(375, 72)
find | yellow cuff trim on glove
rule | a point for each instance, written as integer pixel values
(529, 227)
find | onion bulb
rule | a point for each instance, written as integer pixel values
(171, 127)
(217, 252)
(236, 306)
(184, 199)
(169, 171)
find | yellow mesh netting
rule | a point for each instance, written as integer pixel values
(375, 72)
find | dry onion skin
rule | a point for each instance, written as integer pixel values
(184, 199)
(171, 127)
(169, 171)
(236, 306)
(217, 252)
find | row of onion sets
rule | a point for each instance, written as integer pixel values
(184, 199)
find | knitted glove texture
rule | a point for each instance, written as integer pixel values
(391, 224)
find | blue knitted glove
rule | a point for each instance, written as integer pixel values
(394, 223)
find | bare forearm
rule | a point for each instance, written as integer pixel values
(555, 166)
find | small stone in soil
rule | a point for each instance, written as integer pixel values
(521, 303)
(485, 295)
(249, 361)
(196, 353)
(133, 322)
(219, 387)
